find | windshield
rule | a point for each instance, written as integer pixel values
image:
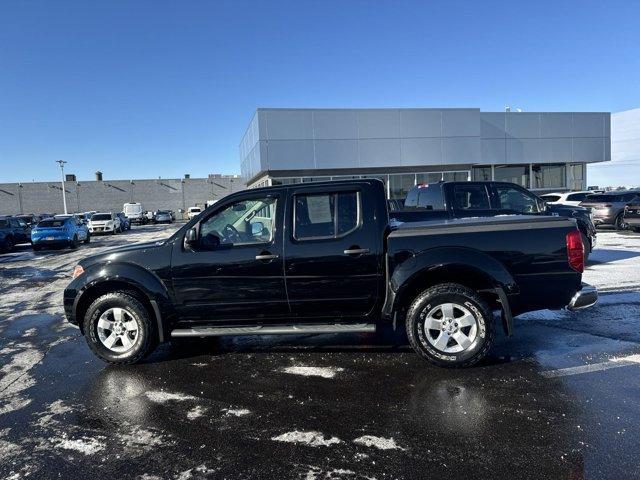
(51, 223)
(101, 216)
(4, 223)
(162, 212)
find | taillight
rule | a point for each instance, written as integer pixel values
(575, 251)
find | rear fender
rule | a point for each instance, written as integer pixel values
(435, 262)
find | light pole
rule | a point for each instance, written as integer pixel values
(64, 196)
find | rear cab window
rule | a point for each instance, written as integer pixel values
(318, 216)
(426, 196)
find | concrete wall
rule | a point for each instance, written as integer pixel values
(110, 195)
(320, 139)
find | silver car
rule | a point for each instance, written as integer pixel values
(162, 216)
(608, 208)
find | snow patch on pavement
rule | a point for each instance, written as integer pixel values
(199, 472)
(84, 445)
(240, 412)
(160, 396)
(196, 412)
(324, 372)
(310, 438)
(380, 443)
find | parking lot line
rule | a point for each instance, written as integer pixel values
(594, 367)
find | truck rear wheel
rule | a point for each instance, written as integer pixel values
(450, 325)
(119, 329)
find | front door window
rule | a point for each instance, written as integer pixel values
(247, 222)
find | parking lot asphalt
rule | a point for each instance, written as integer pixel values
(561, 399)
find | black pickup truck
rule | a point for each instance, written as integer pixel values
(447, 200)
(324, 258)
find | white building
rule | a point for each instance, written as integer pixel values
(541, 150)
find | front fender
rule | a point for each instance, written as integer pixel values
(413, 267)
(128, 274)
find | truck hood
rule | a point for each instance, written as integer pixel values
(124, 253)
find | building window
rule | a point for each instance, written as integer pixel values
(427, 178)
(399, 185)
(548, 176)
(481, 174)
(575, 177)
(518, 174)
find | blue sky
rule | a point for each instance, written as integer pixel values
(152, 88)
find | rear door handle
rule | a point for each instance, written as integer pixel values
(266, 256)
(356, 251)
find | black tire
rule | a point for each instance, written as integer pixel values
(113, 232)
(88, 239)
(7, 245)
(636, 229)
(36, 248)
(146, 340)
(73, 244)
(461, 296)
(619, 223)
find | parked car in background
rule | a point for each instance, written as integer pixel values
(148, 216)
(631, 215)
(162, 216)
(134, 213)
(105, 223)
(13, 231)
(62, 230)
(608, 208)
(193, 212)
(445, 200)
(125, 223)
(324, 258)
(30, 220)
(83, 217)
(567, 198)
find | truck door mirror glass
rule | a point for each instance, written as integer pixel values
(257, 228)
(191, 237)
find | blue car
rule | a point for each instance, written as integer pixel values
(59, 231)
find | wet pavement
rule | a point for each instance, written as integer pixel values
(561, 399)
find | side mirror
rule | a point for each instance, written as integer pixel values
(257, 228)
(191, 237)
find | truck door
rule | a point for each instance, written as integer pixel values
(332, 251)
(233, 269)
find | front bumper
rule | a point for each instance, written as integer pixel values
(586, 297)
(101, 229)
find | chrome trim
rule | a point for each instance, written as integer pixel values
(586, 297)
(274, 330)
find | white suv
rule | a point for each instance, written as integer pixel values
(193, 212)
(105, 223)
(566, 198)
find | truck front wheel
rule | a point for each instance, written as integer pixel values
(119, 329)
(450, 325)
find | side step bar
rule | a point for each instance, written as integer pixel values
(275, 330)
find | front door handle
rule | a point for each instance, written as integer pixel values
(356, 251)
(266, 256)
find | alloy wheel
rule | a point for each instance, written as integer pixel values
(117, 329)
(450, 327)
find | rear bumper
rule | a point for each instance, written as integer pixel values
(584, 298)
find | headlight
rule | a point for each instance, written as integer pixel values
(77, 271)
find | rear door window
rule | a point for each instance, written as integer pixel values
(324, 216)
(470, 197)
